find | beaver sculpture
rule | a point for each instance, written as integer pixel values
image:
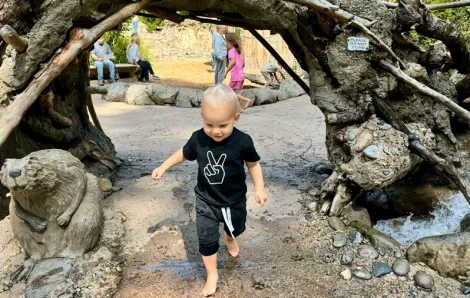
(55, 207)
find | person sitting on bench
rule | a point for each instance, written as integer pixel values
(102, 56)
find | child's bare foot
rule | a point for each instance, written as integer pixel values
(211, 285)
(232, 246)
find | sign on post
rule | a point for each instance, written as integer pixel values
(358, 44)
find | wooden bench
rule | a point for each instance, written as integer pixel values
(124, 70)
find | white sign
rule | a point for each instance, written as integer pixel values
(358, 44)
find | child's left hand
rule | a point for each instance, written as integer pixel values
(261, 197)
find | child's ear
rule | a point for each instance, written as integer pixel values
(237, 117)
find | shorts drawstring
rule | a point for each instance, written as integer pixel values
(228, 219)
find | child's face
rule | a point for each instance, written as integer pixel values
(218, 122)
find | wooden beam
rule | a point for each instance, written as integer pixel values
(97, 90)
(79, 40)
(440, 6)
(281, 61)
(440, 98)
(441, 165)
(12, 38)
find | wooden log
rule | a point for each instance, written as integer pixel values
(281, 61)
(333, 11)
(441, 165)
(80, 39)
(12, 38)
(97, 90)
(440, 98)
(92, 112)
(440, 6)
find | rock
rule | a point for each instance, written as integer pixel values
(355, 237)
(347, 258)
(367, 252)
(336, 224)
(379, 269)
(385, 126)
(346, 274)
(465, 223)
(138, 95)
(362, 274)
(313, 206)
(353, 212)
(251, 94)
(351, 134)
(186, 97)
(266, 96)
(401, 267)
(162, 94)
(323, 169)
(375, 237)
(363, 141)
(290, 89)
(308, 217)
(325, 207)
(466, 291)
(372, 152)
(105, 185)
(116, 92)
(339, 240)
(398, 255)
(447, 254)
(424, 280)
(116, 188)
(48, 276)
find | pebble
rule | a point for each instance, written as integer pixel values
(395, 151)
(386, 173)
(356, 237)
(362, 274)
(336, 223)
(466, 291)
(323, 169)
(118, 269)
(347, 258)
(385, 126)
(424, 280)
(401, 267)
(105, 185)
(371, 152)
(385, 150)
(339, 240)
(367, 252)
(398, 255)
(351, 134)
(313, 206)
(116, 188)
(308, 217)
(346, 274)
(380, 268)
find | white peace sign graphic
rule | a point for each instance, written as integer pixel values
(214, 171)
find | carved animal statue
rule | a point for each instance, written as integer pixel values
(55, 208)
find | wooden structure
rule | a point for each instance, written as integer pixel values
(124, 69)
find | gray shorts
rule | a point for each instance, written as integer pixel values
(208, 218)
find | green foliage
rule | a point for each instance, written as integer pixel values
(151, 23)
(183, 13)
(118, 41)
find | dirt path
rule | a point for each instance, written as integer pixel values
(285, 251)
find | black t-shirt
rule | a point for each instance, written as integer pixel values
(221, 176)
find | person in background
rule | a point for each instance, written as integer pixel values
(269, 72)
(236, 62)
(135, 23)
(220, 53)
(133, 57)
(102, 56)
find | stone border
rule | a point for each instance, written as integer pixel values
(159, 94)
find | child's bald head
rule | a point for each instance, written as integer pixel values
(221, 96)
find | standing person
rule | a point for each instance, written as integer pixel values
(135, 24)
(133, 57)
(236, 62)
(220, 53)
(102, 56)
(221, 151)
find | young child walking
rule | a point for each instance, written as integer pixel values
(221, 151)
(236, 62)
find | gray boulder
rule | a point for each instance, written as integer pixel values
(48, 278)
(162, 94)
(187, 97)
(447, 254)
(251, 94)
(290, 89)
(266, 96)
(196, 101)
(116, 92)
(138, 95)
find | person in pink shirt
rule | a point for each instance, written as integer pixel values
(236, 62)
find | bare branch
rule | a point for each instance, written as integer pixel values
(12, 38)
(79, 40)
(324, 7)
(442, 99)
(440, 6)
(97, 90)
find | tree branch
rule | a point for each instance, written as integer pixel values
(12, 38)
(440, 6)
(79, 40)
(442, 99)
(97, 90)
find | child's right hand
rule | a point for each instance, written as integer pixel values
(158, 173)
